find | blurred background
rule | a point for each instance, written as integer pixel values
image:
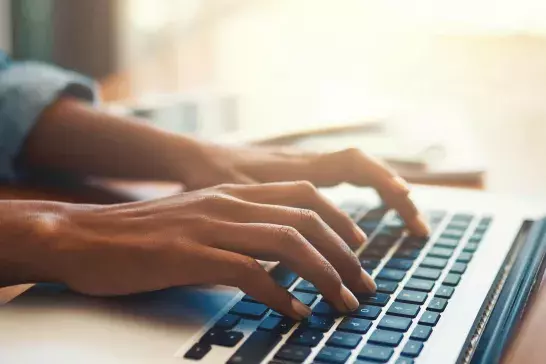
(468, 74)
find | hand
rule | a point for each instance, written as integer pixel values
(216, 164)
(213, 236)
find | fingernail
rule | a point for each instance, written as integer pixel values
(368, 280)
(359, 235)
(300, 308)
(400, 185)
(349, 299)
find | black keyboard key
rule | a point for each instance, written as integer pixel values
(412, 349)
(366, 312)
(286, 325)
(386, 337)
(427, 273)
(452, 279)
(372, 252)
(452, 234)
(471, 247)
(369, 263)
(305, 337)
(391, 274)
(429, 318)
(306, 286)
(407, 253)
(293, 353)
(440, 252)
(271, 323)
(375, 299)
(421, 333)
(464, 257)
(445, 292)
(386, 286)
(305, 298)
(344, 340)
(227, 322)
(401, 264)
(437, 304)
(403, 360)
(212, 336)
(258, 345)
(474, 239)
(395, 323)
(462, 217)
(198, 351)
(248, 298)
(403, 309)
(319, 323)
(420, 285)
(325, 309)
(433, 262)
(356, 325)
(249, 310)
(409, 296)
(368, 226)
(229, 339)
(283, 276)
(446, 242)
(458, 225)
(458, 268)
(333, 355)
(384, 240)
(375, 353)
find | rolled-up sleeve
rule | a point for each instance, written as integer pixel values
(26, 89)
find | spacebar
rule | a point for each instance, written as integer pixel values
(255, 348)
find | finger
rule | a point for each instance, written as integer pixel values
(207, 265)
(303, 194)
(287, 245)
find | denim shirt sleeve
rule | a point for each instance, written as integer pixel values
(26, 89)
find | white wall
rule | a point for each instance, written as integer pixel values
(5, 25)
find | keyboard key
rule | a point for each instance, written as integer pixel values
(198, 351)
(375, 353)
(452, 279)
(432, 262)
(471, 247)
(446, 242)
(283, 276)
(318, 323)
(386, 286)
(458, 225)
(444, 292)
(452, 234)
(325, 309)
(255, 348)
(248, 298)
(440, 252)
(286, 325)
(271, 323)
(369, 263)
(464, 257)
(344, 340)
(389, 322)
(475, 239)
(293, 353)
(373, 253)
(384, 240)
(305, 337)
(358, 326)
(391, 274)
(306, 298)
(420, 285)
(458, 268)
(366, 312)
(462, 217)
(429, 318)
(401, 264)
(437, 304)
(412, 349)
(227, 322)
(427, 273)
(229, 339)
(412, 297)
(376, 299)
(249, 310)
(333, 355)
(306, 286)
(403, 309)
(385, 337)
(403, 360)
(212, 336)
(421, 333)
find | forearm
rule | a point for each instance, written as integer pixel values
(27, 240)
(73, 137)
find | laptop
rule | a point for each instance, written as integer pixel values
(454, 297)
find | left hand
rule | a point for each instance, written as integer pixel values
(217, 164)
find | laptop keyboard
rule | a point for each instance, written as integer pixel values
(397, 320)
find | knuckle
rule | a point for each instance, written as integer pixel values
(221, 199)
(306, 187)
(309, 217)
(248, 267)
(226, 187)
(288, 234)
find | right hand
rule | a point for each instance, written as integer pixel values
(214, 236)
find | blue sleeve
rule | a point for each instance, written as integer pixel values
(26, 89)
